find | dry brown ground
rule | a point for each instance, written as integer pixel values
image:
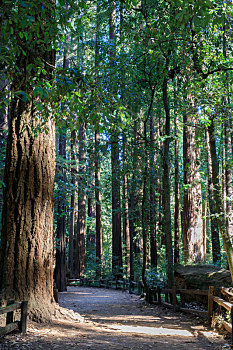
(115, 320)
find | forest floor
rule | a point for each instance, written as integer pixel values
(115, 320)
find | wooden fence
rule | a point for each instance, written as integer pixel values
(131, 286)
(154, 296)
(12, 325)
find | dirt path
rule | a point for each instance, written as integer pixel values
(116, 320)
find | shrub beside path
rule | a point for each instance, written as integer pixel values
(115, 320)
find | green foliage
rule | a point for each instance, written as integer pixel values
(153, 278)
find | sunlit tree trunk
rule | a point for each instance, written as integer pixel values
(216, 249)
(192, 214)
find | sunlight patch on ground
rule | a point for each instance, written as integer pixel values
(77, 293)
(153, 331)
(208, 334)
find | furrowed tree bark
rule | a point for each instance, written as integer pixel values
(26, 271)
(192, 214)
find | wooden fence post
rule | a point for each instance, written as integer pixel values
(174, 297)
(24, 314)
(182, 298)
(159, 295)
(210, 304)
(166, 297)
(9, 315)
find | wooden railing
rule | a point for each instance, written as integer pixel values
(154, 296)
(132, 286)
(12, 325)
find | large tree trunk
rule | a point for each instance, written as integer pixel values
(192, 215)
(26, 270)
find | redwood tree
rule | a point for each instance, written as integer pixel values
(26, 270)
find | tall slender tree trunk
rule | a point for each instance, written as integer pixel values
(60, 269)
(216, 249)
(26, 270)
(132, 205)
(126, 232)
(99, 229)
(166, 189)
(116, 199)
(176, 209)
(145, 206)
(116, 206)
(81, 224)
(91, 205)
(153, 242)
(73, 146)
